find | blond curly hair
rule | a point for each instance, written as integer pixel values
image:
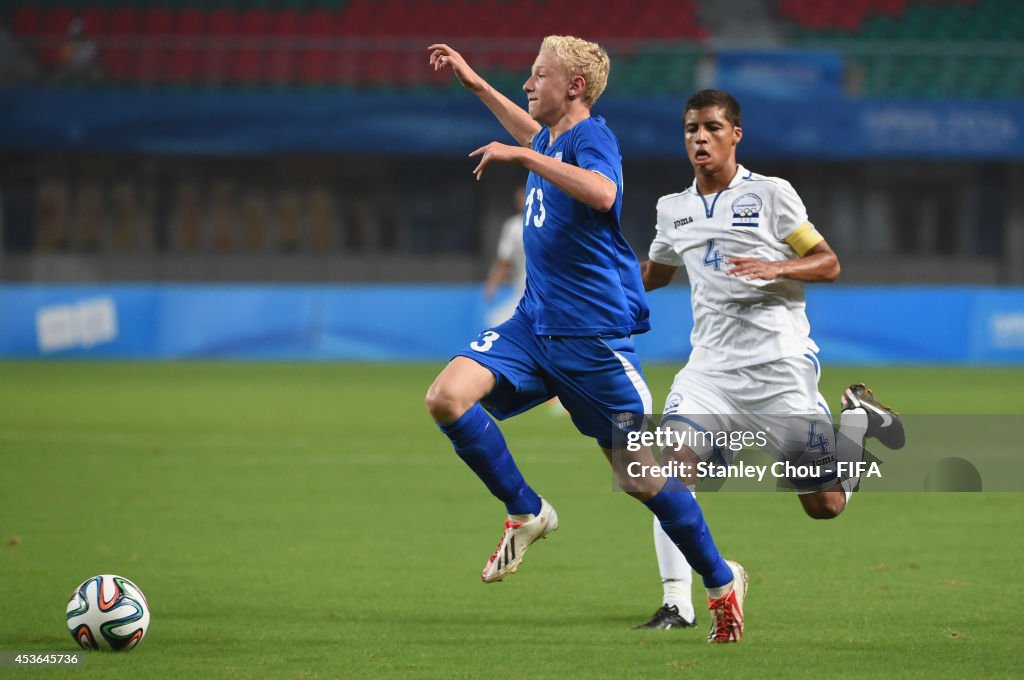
(581, 58)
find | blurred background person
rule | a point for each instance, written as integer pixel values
(509, 266)
(76, 58)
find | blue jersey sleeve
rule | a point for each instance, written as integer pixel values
(596, 149)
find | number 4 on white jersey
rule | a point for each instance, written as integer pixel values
(713, 258)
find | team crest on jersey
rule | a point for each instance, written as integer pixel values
(558, 155)
(746, 210)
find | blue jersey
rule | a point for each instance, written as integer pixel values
(582, 278)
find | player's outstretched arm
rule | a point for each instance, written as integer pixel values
(656, 275)
(513, 117)
(495, 277)
(586, 186)
(820, 264)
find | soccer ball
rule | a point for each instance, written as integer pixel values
(108, 612)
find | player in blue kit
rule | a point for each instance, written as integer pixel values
(570, 335)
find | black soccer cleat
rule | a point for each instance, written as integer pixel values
(667, 617)
(884, 424)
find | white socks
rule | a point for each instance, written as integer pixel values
(676, 574)
(853, 426)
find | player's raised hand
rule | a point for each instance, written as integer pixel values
(495, 152)
(442, 56)
(751, 268)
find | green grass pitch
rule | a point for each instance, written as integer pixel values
(308, 521)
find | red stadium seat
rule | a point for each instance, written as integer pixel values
(94, 21)
(182, 64)
(115, 54)
(460, 17)
(53, 31)
(149, 57)
(284, 42)
(26, 20)
(316, 63)
(891, 8)
(287, 30)
(247, 59)
(359, 19)
(221, 34)
(507, 18)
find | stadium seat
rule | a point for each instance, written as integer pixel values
(287, 28)
(358, 19)
(316, 64)
(94, 21)
(293, 42)
(115, 55)
(182, 66)
(221, 31)
(940, 23)
(247, 58)
(148, 57)
(25, 21)
(53, 30)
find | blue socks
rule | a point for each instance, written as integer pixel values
(682, 520)
(479, 442)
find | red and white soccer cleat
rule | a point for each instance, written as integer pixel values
(727, 610)
(518, 537)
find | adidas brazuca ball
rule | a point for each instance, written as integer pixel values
(108, 612)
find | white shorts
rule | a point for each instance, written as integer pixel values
(774, 406)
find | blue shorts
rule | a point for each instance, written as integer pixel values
(598, 380)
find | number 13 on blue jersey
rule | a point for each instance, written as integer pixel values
(538, 219)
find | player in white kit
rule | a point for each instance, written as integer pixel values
(748, 249)
(509, 265)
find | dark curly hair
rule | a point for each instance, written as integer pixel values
(705, 98)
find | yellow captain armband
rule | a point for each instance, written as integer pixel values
(804, 238)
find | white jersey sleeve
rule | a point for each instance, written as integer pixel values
(510, 243)
(790, 213)
(510, 249)
(790, 223)
(662, 249)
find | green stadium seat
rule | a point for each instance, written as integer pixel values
(938, 24)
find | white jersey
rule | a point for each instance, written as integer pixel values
(510, 249)
(738, 323)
